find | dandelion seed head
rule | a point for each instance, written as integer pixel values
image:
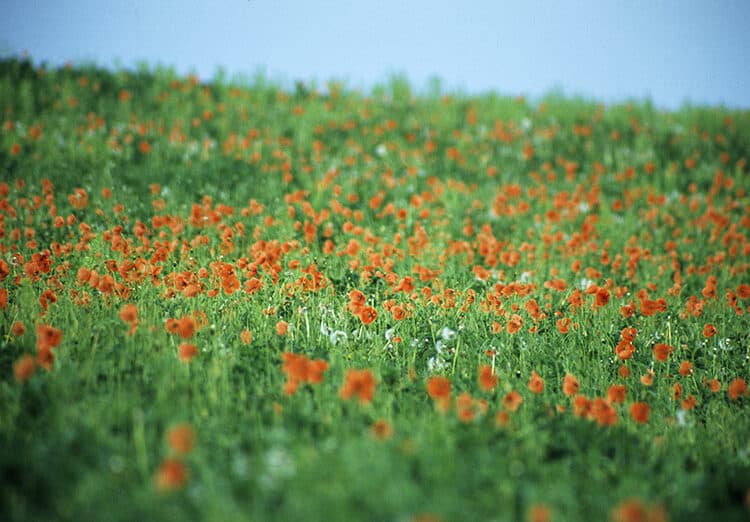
(338, 336)
(390, 333)
(447, 334)
(435, 364)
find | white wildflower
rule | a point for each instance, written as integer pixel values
(338, 336)
(324, 330)
(390, 333)
(447, 334)
(435, 364)
(279, 465)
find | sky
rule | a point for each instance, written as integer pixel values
(669, 52)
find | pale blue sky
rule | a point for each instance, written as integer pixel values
(670, 51)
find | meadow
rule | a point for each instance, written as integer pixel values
(235, 300)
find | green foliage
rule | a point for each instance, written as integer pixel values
(236, 205)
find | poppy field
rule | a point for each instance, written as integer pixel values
(236, 300)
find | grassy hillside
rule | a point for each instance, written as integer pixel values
(239, 302)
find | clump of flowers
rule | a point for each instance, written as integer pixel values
(299, 369)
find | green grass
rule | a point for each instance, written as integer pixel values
(480, 199)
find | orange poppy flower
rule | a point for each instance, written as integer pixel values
(187, 351)
(45, 358)
(689, 403)
(628, 334)
(48, 336)
(627, 310)
(570, 385)
(686, 368)
(246, 336)
(295, 366)
(515, 324)
(539, 513)
(172, 475)
(466, 407)
(406, 285)
(601, 297)
(359, 384)
(253, 285)
(18, 329)
(439, 389)
(79, 199)
(487, 378)
(381, 429)
(184, 327)
(633, 510)
(171, 325)
(709, 330)
(616, 393)
(398, 312)
(512, 401)
(536, 383)
(563, 325)
(315, 370)
(603, 412)
(290, 386)
(581, 406)
(24, 368)
(737, 388)
(650, 307)
(282, 327)
(367, 314)
(83, 275)
(356, 301)
(129, 313)
(624, 350)
(181, 438)
(640, 412)
(662, 351)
